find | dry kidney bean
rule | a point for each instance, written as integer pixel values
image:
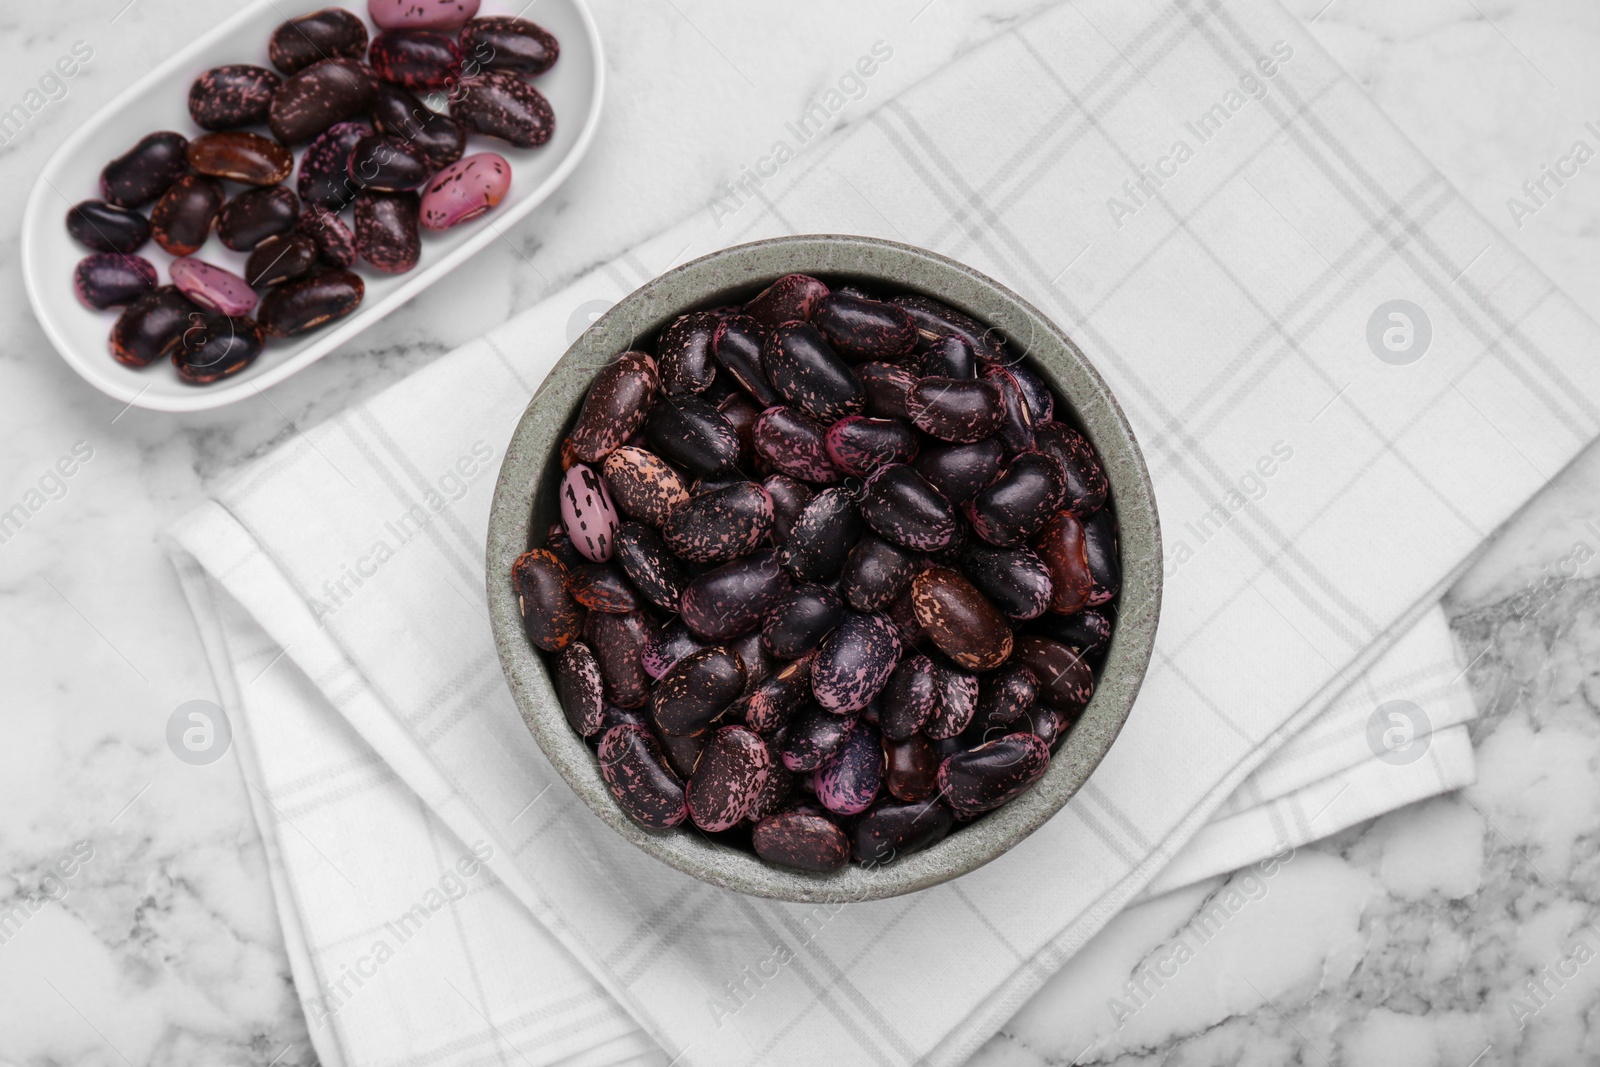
(465, 190)
(416, 59)
(325, 34)
(498, 103)
(387, 234)
(325, 166)
(146, 170)
(549, 614)
(217, 347)
(500, 42)
(107, 228)
(108, 279)
(421, 14)
(898, 642)
(281, 258)
(326, 92)
(336, 245)
(397, 113)
(231, 96)
(256, 214)
(387, 164)
(299, 306)
(242, 157)
(182, 219)
(587, 513)
(644, 786)
(212, 287)
(579, 687)
(151, 327)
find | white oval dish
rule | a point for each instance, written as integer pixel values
(159, 101)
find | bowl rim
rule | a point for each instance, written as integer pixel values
(94, 368)
(532, 456)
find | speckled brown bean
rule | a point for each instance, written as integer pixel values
(790, 298)
(733, 599)
(984, 778)
(1061, 545)
(306, 304)
(616, 406)
(601, 587)
(955, 409)
(618, 641)
(886, 386)
(964, 625)
(182, 219)
(1065, 681)
(1085, 479)
(325, 34)
(795, 444)
(855, 662)
(894, 829)
(549, 614)
(240, 156)
(910, 699)
(328, 91)
(146, 170)
(696, 690)
(902, 507)
(720, 525)
(643, 485)
(809, 375)
(1018, 505)
(958, 702)
(500, 104)
(821, 539)
(227, 97)
(861, 330)
(256, 214)
(731, 772)
(387, 233)
(632, 764)
(802, 841)
(580, 689)
(336, 245)
(684, 354)
(911, 768)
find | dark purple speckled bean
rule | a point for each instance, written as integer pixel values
(618, 641)
(654, 571)
(734, 599)
(632, 764)
(958, 702)
(801, 622)
(795, 444)
(895, 829)
(500, 104)
(1086, 485)
(616, 405)
(549, 614)
(737, 346)
(227, 97)
(336, 245)
(850, 781)
(1019, 503)
(960, 472)
(1015, 580)
(935, 320)
(886, 386)
(141, 174)
(416, 59)
(900, 505)
(1065, 681)
(862, 330)
(602, 587)
(696, 690)
(580, 689)
(789, 498)
(720, 525)
(387, 230)
(820, 541)
(812, 736)
(106, 227)
(328, 91)
(776, 698)
(875, 573)
(859, 445)
(666, 647)
(690, 432)
(685, 353)
(855, 662)
(728, 779)
(983, 778)
(809, 375)
(802, 841)
(956, 409)
(1105, 565)
(109, 279)
(911, 698)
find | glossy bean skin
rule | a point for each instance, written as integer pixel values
(1101, 551)
(211, 287)
(728, 779)
(737, 345)
(152, 327)
(325, 166)
(859, 445)
(911, 698)
(799, 624)
(256, 214)
(387, 164)
(852, 778)
(984, 778)
(549, 614)
(415, 58)
(632, 764)
(1005, 695)
(903, 508)
(616, 406)
(618, 642)
(1016, 427)
(329, 33)
(961, 472)
(1041, 403)
(421, 14)
(227, 97)
(652, 569)
(720, 525)
(182, 219)
(894, 829)
(910, 768)
(1062, 547)
(949, 357)
(1065, 681)
(733, 599)
(111, 279)
(886, 387)
(855, 662)
(387, 230)
(148, 169)
(794, 444)
(1085, 479)
(935, 320)
(956, 409)
(601, 587)
(281, 258)
(579, 687)
(789, 499)
(685, 355)
(775, 699)
(643, 485)
(241, 156)
(1088, 633)
(505, 43)
(217, 347)
(465, 190)
(308, 303)
(587, 513)
(806, 372)
(960, 620)
(1015, 580)
(812, 737)
(336, 245)
(696, 690)
(689, 432)
(863, 330)
(328, 91)
(820, 541)
(958, 702)
(397, 113)
(666, 647)
(498, 103)
(791, 298)
(875, 573)
(107, 228)
(802, 841)
(1019, 503)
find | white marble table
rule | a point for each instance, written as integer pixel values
(1408, 940)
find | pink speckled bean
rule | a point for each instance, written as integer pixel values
(587, 513)
(212, 287)
(421, 14)
(465, 190)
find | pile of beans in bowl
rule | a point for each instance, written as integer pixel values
(372, 147)
(832, 578)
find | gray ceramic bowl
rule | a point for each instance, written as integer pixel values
(525, 506)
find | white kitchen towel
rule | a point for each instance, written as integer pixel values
(1270, 278)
